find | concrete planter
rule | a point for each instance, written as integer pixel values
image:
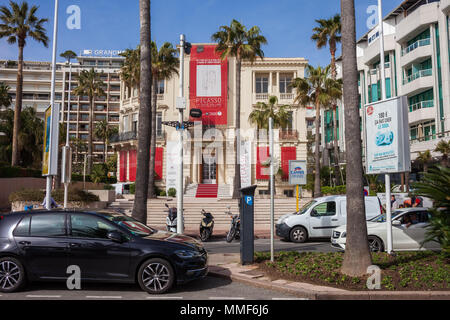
(20, 205)
(105, 195)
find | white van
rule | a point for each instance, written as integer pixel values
(319, 217)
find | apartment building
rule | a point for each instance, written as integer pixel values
(209, 166)
(417, 65)
(37, 91)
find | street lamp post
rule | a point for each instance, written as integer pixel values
(180, 193)
(67, 155)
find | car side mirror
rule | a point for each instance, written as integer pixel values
(314, 213)
(115, 236)
(396, 223)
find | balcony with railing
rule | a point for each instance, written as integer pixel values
(415, 45)
(124, 137)
(288, 134)
(417, 75)
(418, 51)
(421, 105)
(421, 111)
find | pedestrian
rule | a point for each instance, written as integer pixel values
(394, 203)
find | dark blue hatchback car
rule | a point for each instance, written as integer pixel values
(106, 246)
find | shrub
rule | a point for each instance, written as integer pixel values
(17, 172)
(108, 187)
(172, 192)
(132, 188)
(162, 193)
(99, 173)
(36, 195)
(338, 190)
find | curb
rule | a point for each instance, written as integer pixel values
(314, 292)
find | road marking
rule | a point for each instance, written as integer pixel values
(225, 298)
(290, 299)
(42, 296)
(104, 297)
(165, 298)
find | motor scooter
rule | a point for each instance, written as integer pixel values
(206, 226)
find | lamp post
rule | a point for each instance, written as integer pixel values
(181, 105)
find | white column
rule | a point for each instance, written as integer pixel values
(270, 83)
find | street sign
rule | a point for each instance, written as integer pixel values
(387, 136)
(181, 103)
(297, 172)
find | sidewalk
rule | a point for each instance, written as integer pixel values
(219, 234)
(228, 266)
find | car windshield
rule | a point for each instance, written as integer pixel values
(134, 226)
(382, 217)
(307, 206)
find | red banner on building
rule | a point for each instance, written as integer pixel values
(287, 153)
(209, 84)
(159, 163)
(133, 165)
(262, 171)
(123, 166)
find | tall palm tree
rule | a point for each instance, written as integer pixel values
(18, 23)
(357, 257)
(329, 32)
(90, 85)
(130, 72)
(145, 114)
(443, 148)
(104, 132)
(5, 98)
(79, 145)
(164, 65)
(320, 90)
(263, 111)
(425, 158)
(243, 45)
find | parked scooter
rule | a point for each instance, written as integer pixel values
(171, 219)
(206, 226)
(235, 228)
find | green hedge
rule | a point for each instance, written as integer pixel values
(17, 172)
(58, 195)
(338, 190)
(79, 177)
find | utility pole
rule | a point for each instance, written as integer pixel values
(67, 155)
(272, 190)
(48, 194)
(383, 97)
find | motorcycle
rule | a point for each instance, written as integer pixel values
(235, 227)
(206, 226)
(171, 219)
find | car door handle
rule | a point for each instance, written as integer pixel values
(334, 219)
(25, 243)
(75, 245)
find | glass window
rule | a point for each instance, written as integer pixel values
(159, 123)
(325, 209)
(23, 228)
(86, 226)
(160, 87)
(285, 84)
(262, 84)
(48, 225)
(134, 226)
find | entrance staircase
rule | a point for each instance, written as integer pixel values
(221, 191)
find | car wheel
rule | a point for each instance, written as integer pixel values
(375, 244)
(156, 276)
(298, 235)
(12, 275)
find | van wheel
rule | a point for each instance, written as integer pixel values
(298, 235)
(375, 244)
(12, 275)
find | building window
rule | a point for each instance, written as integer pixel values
(285, 83)
(159, 123)
(262, 84)
(135, 122)
(160, 87)
(126, 123)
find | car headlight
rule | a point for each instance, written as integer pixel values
(188, 254)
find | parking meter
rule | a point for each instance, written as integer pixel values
(246, 210)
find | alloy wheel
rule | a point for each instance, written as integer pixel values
(9, 275)
(375, 245)
(156, 277)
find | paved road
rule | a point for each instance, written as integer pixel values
(220, 246)
(209, 288)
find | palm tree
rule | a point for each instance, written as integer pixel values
(104, 132)
(79, 145)
(164, 65)
(243, 45)
(263, 111)
(90, 85)
(443, 148)
(320, 90)
(5, 98)
(329, 32)
(357, 257)
(425, 158)
(130, 72)
(20, 22)
(145, 114)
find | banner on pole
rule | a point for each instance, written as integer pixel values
(172, 161)
(297, 172)
(246, 163)
(51, 138)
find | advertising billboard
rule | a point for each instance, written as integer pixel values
(297, 172)
(387, 136)
(51, 137)
(246, 163)
(208, 89)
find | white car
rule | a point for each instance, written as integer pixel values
(409, 227)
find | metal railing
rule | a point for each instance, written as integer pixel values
(421, 105)
(288, 134)
(122, 137)
(417, 75)
(415, 45)
(387, 65)
(432, 136)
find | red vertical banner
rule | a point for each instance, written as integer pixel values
(159, 163)
(133, 165)
(287, 153)
(123, 166)
(209, 84)
(262, 155)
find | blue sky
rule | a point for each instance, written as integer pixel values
(114, 24)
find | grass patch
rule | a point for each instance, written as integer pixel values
(408, 271)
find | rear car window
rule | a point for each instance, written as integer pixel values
(48, 225)
(23, 228)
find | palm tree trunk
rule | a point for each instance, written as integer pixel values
(151, 177)
(317, 187)
(407, 181)
(105, 150)
(91, 124)
(237, 172)
(336, 147)
(145, 114)
(18, 109)
(357, 256)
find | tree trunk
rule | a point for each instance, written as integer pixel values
(336, 148)
(105, 150)
(15, 158)
(237, 172)
(317, 186)
(357, 257)
(151, 177)
(91, 129)
(407, 181)
(402, 179)
(145, 114)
